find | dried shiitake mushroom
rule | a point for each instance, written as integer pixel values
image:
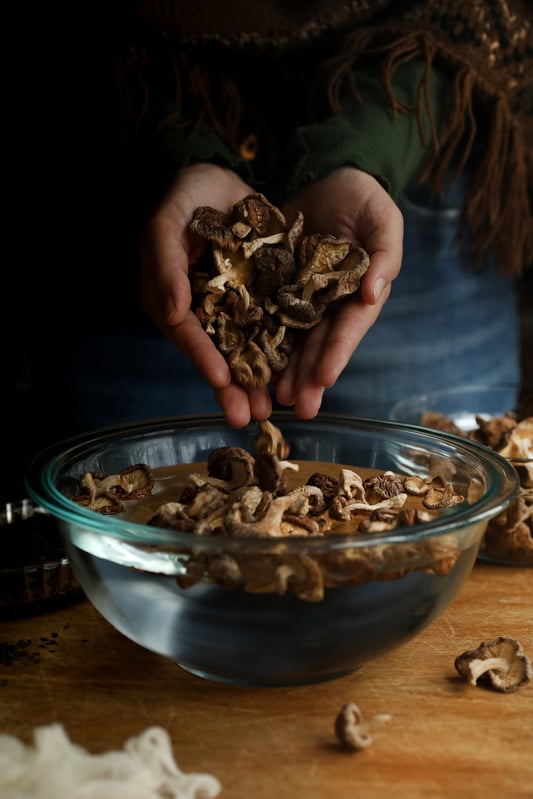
(246, 495)
(240, 494)
(501, 664)
(105, 493)
(509, 535)
(262, 281)
(351, 729)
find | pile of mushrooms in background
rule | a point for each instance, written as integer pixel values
(509, 535)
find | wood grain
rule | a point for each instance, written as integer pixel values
(445, 738)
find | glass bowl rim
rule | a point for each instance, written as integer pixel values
(451, 391)
(424, 396)
(42, 490)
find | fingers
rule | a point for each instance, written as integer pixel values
(362, 210)
(168, 248)
(385, 245)
(167, 251)
(166, 296)
(239, 406)
(351, 323)
(165, 287)
(357, 208)
(199, 348)
(324, 353)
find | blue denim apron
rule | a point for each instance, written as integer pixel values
(444, 325)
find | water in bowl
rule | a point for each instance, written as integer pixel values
(265, 639)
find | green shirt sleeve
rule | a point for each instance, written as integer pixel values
(158, 161)
(370, 135)
(173, 149)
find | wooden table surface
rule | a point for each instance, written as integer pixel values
(445, 738)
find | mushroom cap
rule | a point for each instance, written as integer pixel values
(215, 226)
(104, 492)
(269, 472)
(501, 663)
(136, 481)
(106, 504)
(347, 279)
(274, 267)
(172, 516)
(519, 446)
(439, 421)
(320, 254)
(295, 311)
(235, 465)
(257, 211)
(249, 366)
(271, 347)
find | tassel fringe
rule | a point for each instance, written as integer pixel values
(498, 212)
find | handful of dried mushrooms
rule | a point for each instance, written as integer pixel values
(265, 281)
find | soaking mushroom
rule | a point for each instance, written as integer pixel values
(232, 466)
(272, 522)
(255, 494)
(104, 492)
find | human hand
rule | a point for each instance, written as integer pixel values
(349, 204)
(168, 250)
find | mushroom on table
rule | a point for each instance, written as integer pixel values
(351, 729)
(500, 663)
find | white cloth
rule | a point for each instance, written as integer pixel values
(56, 768)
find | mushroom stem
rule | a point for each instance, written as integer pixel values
(479, 666)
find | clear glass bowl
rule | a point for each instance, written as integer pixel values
(463, 403)
(509, 537)
(396, 583)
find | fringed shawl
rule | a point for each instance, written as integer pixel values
(487, 46)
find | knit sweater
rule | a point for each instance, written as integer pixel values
(286, 92)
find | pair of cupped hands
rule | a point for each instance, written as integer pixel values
(348, 203)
